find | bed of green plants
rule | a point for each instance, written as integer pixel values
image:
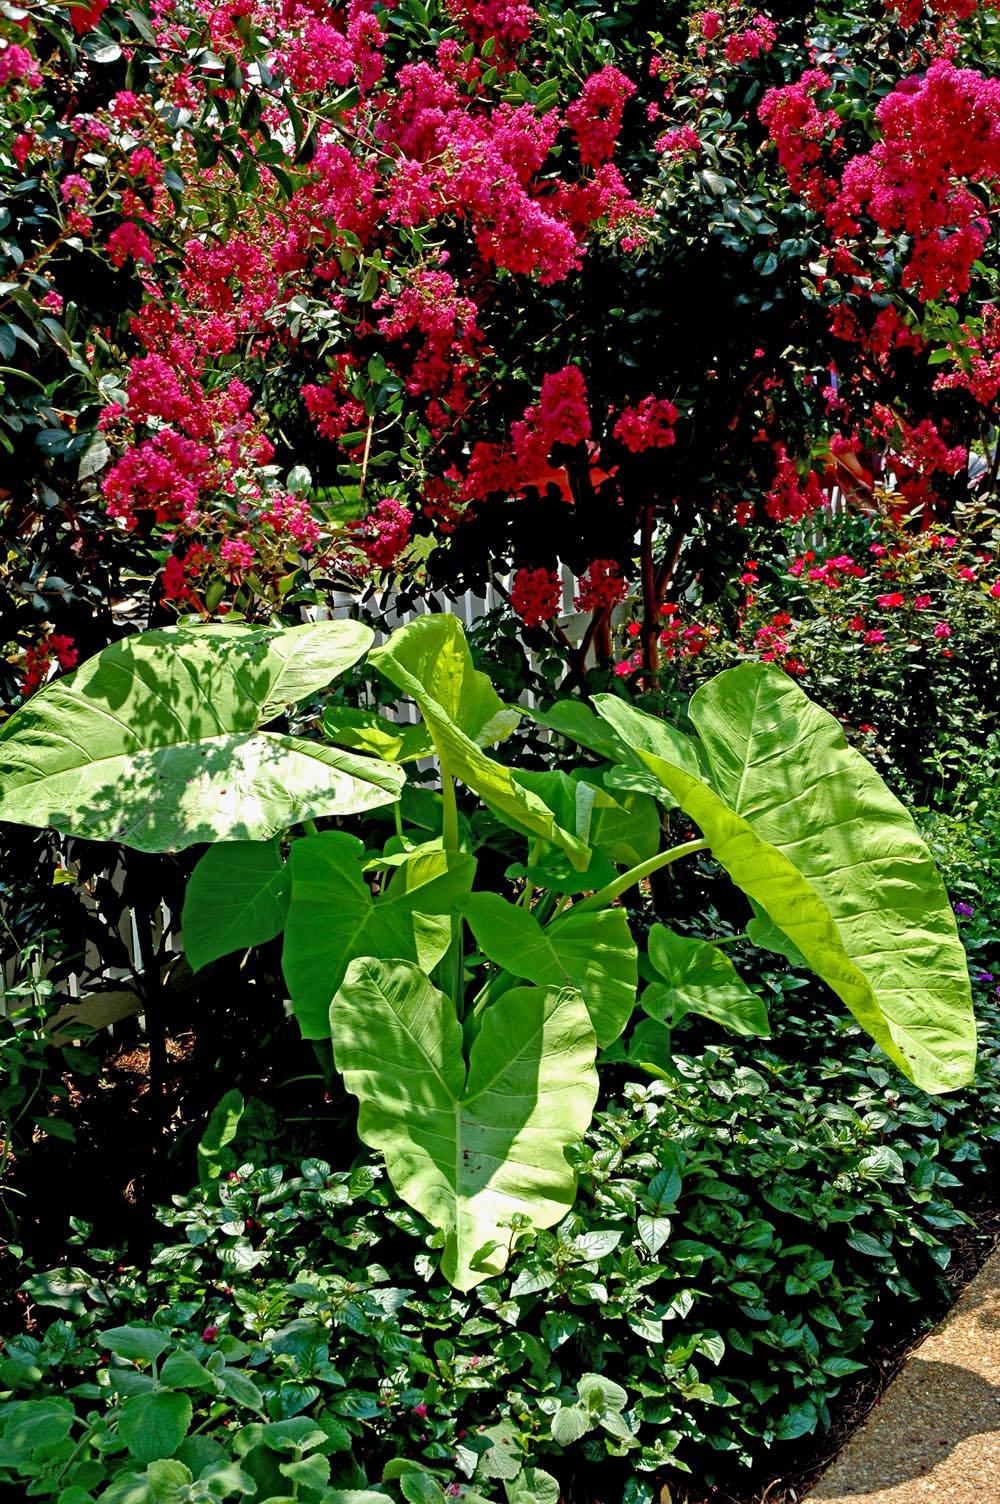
(516, 1287)
(740, 1226)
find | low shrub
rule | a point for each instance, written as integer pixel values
(741, 1224)
(871, 617)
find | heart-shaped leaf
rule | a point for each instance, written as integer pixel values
(236, 897)
(805, 826)
(429, 660)
(332, 917)
(468, 1150)
(699, 978)
(593, 952)
(153, 1425)
(155, 742)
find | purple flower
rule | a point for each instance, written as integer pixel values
(964, 910)
(985, 976)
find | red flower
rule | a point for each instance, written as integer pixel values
(536, 596)
(647, 426)
(85, 17)
(601, 588)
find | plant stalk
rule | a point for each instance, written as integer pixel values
(448, 972)
(626, 880)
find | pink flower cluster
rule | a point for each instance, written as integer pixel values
(754, 40)
(678, 141)
(649, 425)
(596, 117)
(792, 496)
(383, 535)
(802, 132)
(17, 66)
(129, 240)
(940, 141)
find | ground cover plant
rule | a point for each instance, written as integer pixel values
(296, 1312)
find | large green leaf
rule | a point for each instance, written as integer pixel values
(628, 830)
(578, 723)
(153, 1425)
(467, 1151)
(699, 978)
(236, 897)
(433, 654)
(429, 660)
(155, 742)
(367, 731)
(593, 952)
(332, 917)
(573, 805)
(805, 826)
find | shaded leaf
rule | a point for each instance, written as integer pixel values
(155, 742)
(593, 952)
(236, 897)
(367, 731)
(333, 918)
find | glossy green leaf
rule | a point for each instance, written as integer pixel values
(367, 731)
(626, 831)
(429, 660)
(155, 742)
(700, 978)
(236, 897)
(332, 917)
(468, 1150)
(805, 826)
(593, 952)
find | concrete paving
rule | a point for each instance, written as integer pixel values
(934, 1438)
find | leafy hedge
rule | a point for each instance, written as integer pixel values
(740, 1226)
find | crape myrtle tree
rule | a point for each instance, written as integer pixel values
(428, 293)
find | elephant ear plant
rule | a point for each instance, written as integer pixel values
(475, 1065)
